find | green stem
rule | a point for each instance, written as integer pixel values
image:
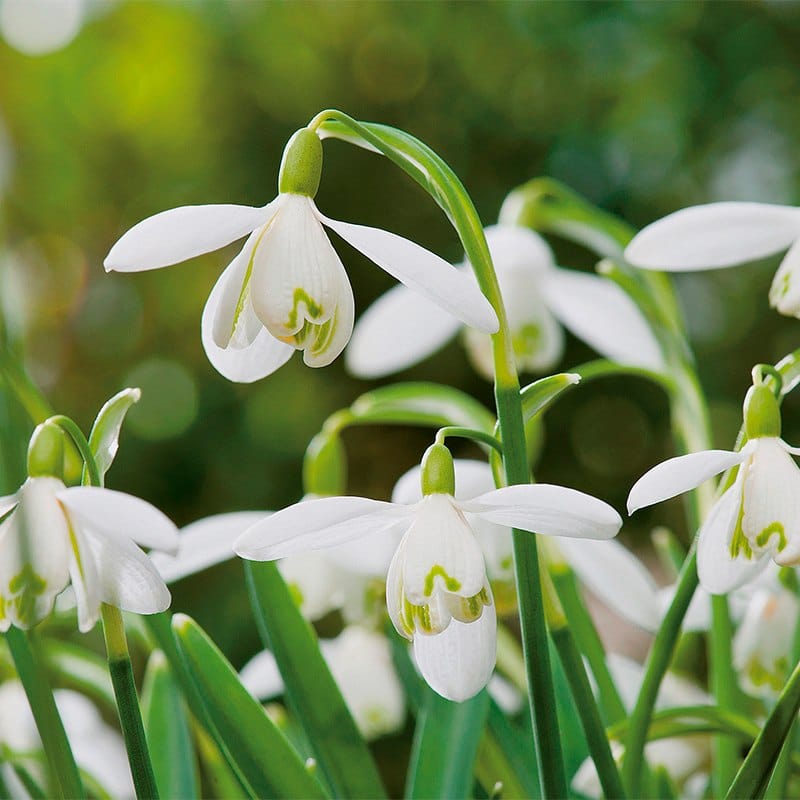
(29, 665)
(754, 773)
(468, 433)
(433, 174)
(592, 724)
(119, 665)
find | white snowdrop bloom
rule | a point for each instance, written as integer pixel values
(437, 591)
(360, 661)
(98, 749)
(400, 329)
(85, 535)
(762, 645)
(757, 518)
(287, 289)
(473, 478)
(719, 235)
(37, 27)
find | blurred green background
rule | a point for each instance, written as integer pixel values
(643, 107)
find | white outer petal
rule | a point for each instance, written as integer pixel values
(515, 247)
(85, 582)
(548, 510)
(398, 330)
(718, 572)
(458, 662)
(319, 523)
(182, 233)
(204, 543)
(617, 577)
(127, 577)
(36, 534)
(422, 271)
(680, 474)
(714, 236)
(243, 365)
(120, 516)
(596, 310)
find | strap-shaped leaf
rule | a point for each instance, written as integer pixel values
(167, 728)
(537, 396)
(312, 694)
(445, 745)
(272, 767)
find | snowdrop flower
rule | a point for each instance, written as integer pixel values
(98, 749)
(360, 661)
(762, 644)
(400, 329)
(719, 235)
(757, 518)
(287, 289)
(437, 591)
(84, 534)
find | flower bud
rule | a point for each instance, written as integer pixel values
(762, 414)
(438, 473)
(46, 452)
(301, 165)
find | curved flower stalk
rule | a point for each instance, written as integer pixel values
(437, 591)
(98, 749)
(757, 518)
(400, 329)
(86, 535)
(287, 289)
(719, 235)
(360, 661)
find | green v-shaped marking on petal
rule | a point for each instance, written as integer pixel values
(451, 584)
(762, 540)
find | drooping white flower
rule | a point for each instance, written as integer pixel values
(719, 235)
(98, 749)
(756, 519)
(360, 661)
(437, 592)
(287, 289)
(762, 645)
(400, 329)
(86, 535)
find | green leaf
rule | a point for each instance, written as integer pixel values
(445, 745)
(427, 404)
(272, 767)
(104, 438)
(311, 692)
(213, 746)
(537, 396)
(167, 730)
